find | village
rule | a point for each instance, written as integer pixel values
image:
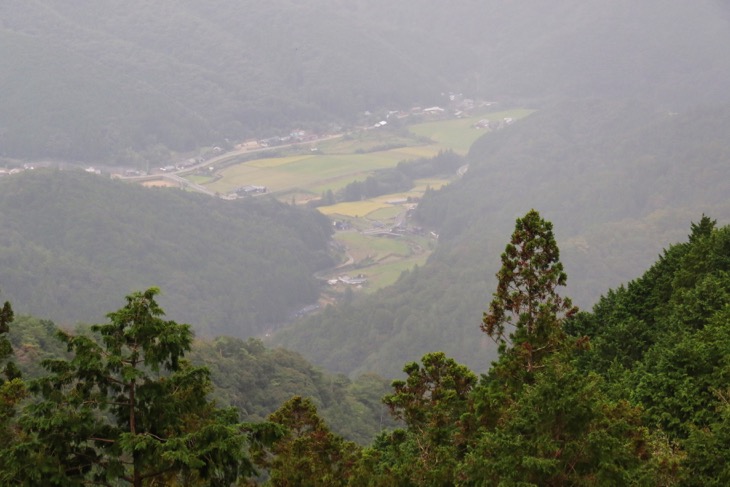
(374, 237)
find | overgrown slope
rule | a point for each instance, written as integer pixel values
(246, 375)
(662, 342)
(616, 179)
(72, 243)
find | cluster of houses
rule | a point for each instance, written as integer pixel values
(294, 137)
(16, 170)
(458, 105)
(359, 280)
(8, 172)
(341, 225)
(248, 190)
(493, 124)
(305, 311)
(188, 163)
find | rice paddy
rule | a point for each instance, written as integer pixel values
(160, 183)
(374, 251)
(355, 209)
(312, 173)
(353, 157)
(459, 134)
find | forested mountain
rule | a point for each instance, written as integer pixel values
(616, 178)
(244, 374)
(103, 81)
(632, 393)
(662, 341)
(72, 243)
(627, 149)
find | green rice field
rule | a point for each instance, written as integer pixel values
(387, 257)
(339, 161)
(460, 134)
(387, 274)
(361, 246)
(385, 213)
(381, 207)
(353, 157)
(382, 259)
(313, 173)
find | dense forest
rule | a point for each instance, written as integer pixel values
(632, 393)
(108, 82)
(245, 374)
(616, 178)
(73, 243)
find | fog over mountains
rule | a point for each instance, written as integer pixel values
(342, 178)
(101, 81)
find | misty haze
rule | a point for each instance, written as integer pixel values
(364, 242)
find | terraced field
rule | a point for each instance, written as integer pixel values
(382, 207)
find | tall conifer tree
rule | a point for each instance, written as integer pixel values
(127, 409)
(526, 311)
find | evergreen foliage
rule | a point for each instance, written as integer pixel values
(308, 454)
(431, 402)
(663, 342)
(526, 300)
(545, 424)
(12, 389)
(9, 371)
(561, 429)
(257, 380)
(244, 374)
(127, 407)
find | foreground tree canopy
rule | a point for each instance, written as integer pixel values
(126, 407)
(634, 393)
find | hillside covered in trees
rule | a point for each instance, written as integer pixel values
(627, 148)
(616, 178)
(244, 374)
(107, 82)
(632, 393)
(72, 243)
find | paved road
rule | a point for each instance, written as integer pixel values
(322, 275)
(189, 184)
